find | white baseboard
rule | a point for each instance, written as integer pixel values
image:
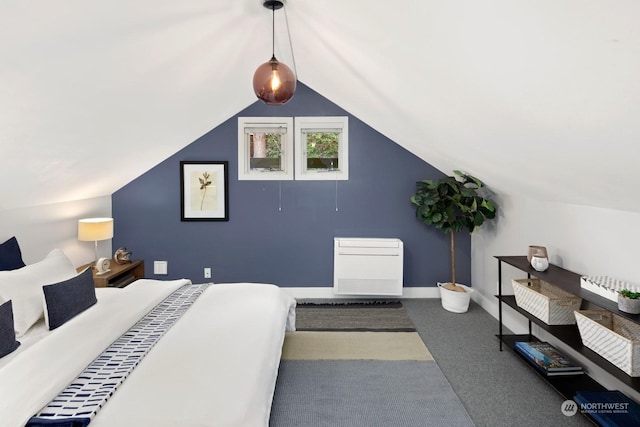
(327, 293)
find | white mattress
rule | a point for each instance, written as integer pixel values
(216, 366)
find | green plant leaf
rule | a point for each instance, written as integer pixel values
(468, 192)
(488, 204)
(629, 294)
(452, 204)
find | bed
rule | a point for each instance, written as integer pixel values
(217, 364)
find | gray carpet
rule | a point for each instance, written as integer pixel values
(496, 387)
(364, 393)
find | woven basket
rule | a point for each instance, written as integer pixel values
(612, 337)
(545, 301)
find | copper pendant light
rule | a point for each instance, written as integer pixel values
(273, 82)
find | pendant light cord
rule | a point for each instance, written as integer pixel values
(273, 31)
(273, 36)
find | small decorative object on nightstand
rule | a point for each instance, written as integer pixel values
(122, 256)
(102, 266)
(120, 275)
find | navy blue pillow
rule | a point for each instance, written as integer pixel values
(69, 298)
(8, 341)
(10, 255)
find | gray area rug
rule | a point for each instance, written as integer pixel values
(364, 393)
(372, 317)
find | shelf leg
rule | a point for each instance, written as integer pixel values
(500, 303)
(530, 333)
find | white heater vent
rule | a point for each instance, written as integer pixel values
(367, 266)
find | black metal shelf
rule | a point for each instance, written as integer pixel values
(568, 334)
(566, 385)
(569, 281)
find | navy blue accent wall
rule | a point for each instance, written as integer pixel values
(293, 246)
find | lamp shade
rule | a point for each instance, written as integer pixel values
(94, 229)
(274, 83)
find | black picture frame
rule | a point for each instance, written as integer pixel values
(204, 190)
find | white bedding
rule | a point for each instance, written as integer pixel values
(216, 366)
(40, 330)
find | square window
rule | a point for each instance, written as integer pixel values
(322, 148)
(265, 148)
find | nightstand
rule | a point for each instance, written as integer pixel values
(120, 275)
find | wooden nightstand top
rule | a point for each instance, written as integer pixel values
(119, 276)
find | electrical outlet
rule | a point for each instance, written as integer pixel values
(207, 273)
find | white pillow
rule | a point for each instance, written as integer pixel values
(24, 287)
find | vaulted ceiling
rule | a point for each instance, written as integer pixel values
(535, 97)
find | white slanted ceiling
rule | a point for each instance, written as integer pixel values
(535, 97)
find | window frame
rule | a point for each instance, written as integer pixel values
(321, 122)
(287, 151)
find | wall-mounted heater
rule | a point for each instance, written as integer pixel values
(367, 266)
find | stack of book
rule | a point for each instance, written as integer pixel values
(547, 359)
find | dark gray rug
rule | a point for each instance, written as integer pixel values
(364, 393)
(371, 317)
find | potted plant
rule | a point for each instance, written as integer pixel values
(629, 301)
(452, 204)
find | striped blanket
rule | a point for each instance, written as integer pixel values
(80, 401)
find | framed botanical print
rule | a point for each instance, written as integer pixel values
(204, 190)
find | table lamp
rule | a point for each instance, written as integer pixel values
(94, 229)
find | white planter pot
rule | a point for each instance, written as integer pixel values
(628, 305)
(455, 302)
